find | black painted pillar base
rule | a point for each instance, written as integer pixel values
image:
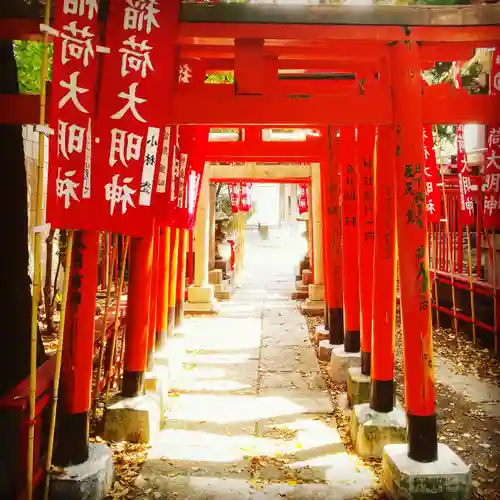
(160, 339)
(352, 341)
(327, 317)
(382, 395)
(366, 361)
(171, 321)
(422, 438)
(150, 361)
(72, 439)
(336, 330)
(179, 314)
(132, 384)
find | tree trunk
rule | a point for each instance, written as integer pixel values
(15, 306)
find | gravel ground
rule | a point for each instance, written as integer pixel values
(465, 426)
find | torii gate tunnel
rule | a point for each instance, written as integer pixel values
(345, 71)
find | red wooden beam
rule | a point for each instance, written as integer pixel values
(265, 180)
(230, 31)
(20, 29)
(217, 106)
(454, 51)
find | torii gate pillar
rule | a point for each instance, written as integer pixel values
(315, 304)
(422, 467)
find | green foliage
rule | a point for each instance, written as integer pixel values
(29, 56)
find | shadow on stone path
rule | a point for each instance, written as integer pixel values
(249, 416)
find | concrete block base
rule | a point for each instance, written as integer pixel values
(307, 277)
(320, 333)
(201, 300)
(215, 276)
(448, 478)
(317, 293)
(340, 362)
(133, 419)
(91, 480)
(372, 431)
(325, 350)
(223, 290)
(358, 386)
(313, 307)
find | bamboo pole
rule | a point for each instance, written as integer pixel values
(109, 283)
(495, 313)
(37, 243)
(448, 243)
(117, 314)
(57, 373)
(471, 288)
(434, 263)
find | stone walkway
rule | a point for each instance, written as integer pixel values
(249, 416)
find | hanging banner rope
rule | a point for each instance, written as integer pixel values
(492, 158)
(464, 171)
(74, 74)
(302, 199)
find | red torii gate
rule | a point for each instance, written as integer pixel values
(390, 96)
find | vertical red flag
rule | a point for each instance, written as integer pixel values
(72, 114)
(492, 158)
(302, 199)
(133, 103)
(233, 191)
(245, 197)
(432, 195)
(464, 172)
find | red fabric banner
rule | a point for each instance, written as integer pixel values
(131, 119)
(234, 196)
(432, 194)
(492, 158)
(192, 140)
(302, 199)
(245, 197)
(74, 74)
(464, 172)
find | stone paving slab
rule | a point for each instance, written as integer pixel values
(251, 419)
(288, 359)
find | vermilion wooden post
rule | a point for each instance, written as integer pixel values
(160, 292)
(420, 393)
(384, 275)
(172, 287)
(181, 278)
(350, 269)
(78, 350)
(163, 287)
(153, 302)
(336, 308)
(366, 236)
(325, 230)
(139, 289)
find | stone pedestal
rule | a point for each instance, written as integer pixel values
(223, 290)
(215, 277)
(448, 478)
(313, 308)
(320, 333)
(372, 431)
(136, 420)
(325, 350)
(317, 293)
(340, 362)
(307, 277)
(201, 300)
(301, 291)
(358, 386)
(90, 480)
